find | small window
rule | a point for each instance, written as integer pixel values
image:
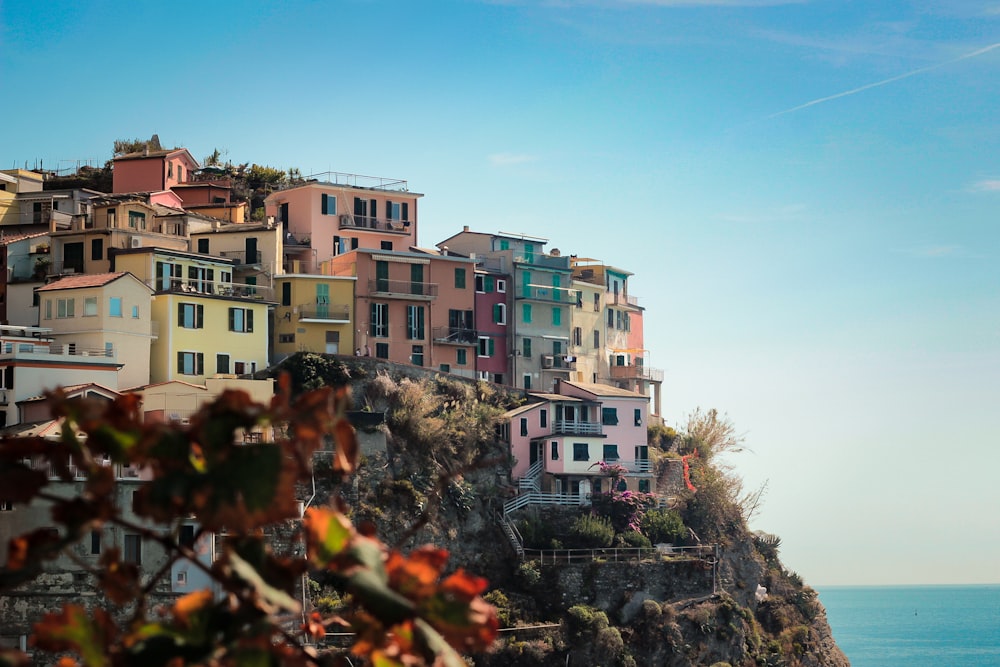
(644, 486)
(190, 315)
(203, 246)
(480, 284)
(222, 363)
(328, 204)
(526, 313)
(459, 278)
(132, 549)
(581, 451)
(555, 450)
(485, 346)
(543, 418)
(501, 285)
(557, 317)
(500, 313)
(527, 381)
(115, 306)
(524, 426)
(526, 348)
(241, 320)
(97, 249)
(286, 338)
(461, 357)
(638, 417)
(382, 350)
(609, 416)
(444, 368)
(417, 355)
(597, 338)
(385, 245)
(610, 452)
(577, 336)
(90, 306)
(95, 543)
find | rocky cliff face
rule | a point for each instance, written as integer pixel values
(442, 478)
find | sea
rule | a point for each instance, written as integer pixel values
(915, 626)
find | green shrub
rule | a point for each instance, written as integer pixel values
(633, 538)
(502, 604)
(583, 622)
(661, 525)
(591, 532)
(529, 574)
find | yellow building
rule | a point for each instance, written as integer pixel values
(314, 314)
(12, 182)
(206, 322)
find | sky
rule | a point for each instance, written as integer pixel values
(806, 191)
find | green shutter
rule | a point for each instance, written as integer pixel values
(496, 312)
(490, 347)
(249, 320)
(199, 321)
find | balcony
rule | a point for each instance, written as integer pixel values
(228, 290)
(636, 372)
(240, 256)
(26, 350)
(620, 299)
(455, 336)
(336, 313)
(404, 289)
(547, 294)
(350, 221)
(547, 261)
(575, 427)
(558, 362)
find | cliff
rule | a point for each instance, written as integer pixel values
(441, 476)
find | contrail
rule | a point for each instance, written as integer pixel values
(972, 54)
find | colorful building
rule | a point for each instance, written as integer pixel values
(315, 313)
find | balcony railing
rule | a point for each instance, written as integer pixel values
(241, 256)
(404, 288)
(548, 261)
(455, 335)
(212, 288)
(68, 349)
(552, 294)
(331, 312)
(575, 427)
(350, 221)
(620, 299)
(636, 372)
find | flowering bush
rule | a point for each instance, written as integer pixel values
(625, 508)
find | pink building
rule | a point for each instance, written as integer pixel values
(559, 441)
(152, 171)
(413, 307)
(493, 303)
(349, 212)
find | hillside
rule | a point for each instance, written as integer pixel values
(443, 477)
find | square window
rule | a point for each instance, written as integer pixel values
(644, 486)
(382, 350)
(581, 451)
(90, 306)
(241, 320)
(610, 452)
(609, 416)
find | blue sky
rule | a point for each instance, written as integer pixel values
(806, 191)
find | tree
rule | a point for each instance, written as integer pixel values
(404, 609)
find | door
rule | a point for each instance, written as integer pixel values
(251, 251)
(381, 276)
(322, 300)
(416, 278)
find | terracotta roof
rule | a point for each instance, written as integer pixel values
(11, 238)
(605, 390)
(82, 280)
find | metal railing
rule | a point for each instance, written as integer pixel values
(352, 221)
(621, 299)
(573, 426)
(403, 288)
(624, 554)
(68, 349)
(531, 479)
(241, 256)
(535, 498)
(333, 311)
(636, 372)
(456, 335)
(212, 288)
(548, 261)
(555, 294)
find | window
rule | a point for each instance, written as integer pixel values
(555, 450)
(609, 416)
(90, 306)
(222, 363)
(392, 210)
(97, 249)
(527, 381)
(417, 355)
(597, 338)
(416, 278)
(638, 417)
(135, 312)
(526, 284)
(500, 313)
(461, 357)
(543, 418)
(524, 426)
(597, 485)
(644, 486)
(526, 313)
(577, 336)
(136, 220)
(190, 316)
(611, 318)
(65, 308)
(241, 320)
(115, 306)
(109, 349)
(526, 348)
(132, 549)
(180, 173)
(501, 285)
(328, 204)
(48, 309)
(382, 350)
(379, 325)
(95, 543)
(610, 452)
(556, 316)
(480, 283)
(6, 506)
(286, 293)
(201, 279)
(581, 451)
(385, 245)
(170, 170)
(504, 244)
(485, 346)
(415, 322)
(444, 368)
(186, 537)
(459, 278)
(190, 363)
(381, 276)
(286, 338)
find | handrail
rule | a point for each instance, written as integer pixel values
(618, 555)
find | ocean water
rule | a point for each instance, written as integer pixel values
(915, 626)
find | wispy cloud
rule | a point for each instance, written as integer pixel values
(710, 3)
(987, 185)
(507, 159)
(884, 82)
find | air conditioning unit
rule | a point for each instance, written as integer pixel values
(345, 219)
(547, 360)
(135, 242)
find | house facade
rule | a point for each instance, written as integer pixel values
(315, 313)
(152, 170)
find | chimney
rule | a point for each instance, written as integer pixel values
(465, 228)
